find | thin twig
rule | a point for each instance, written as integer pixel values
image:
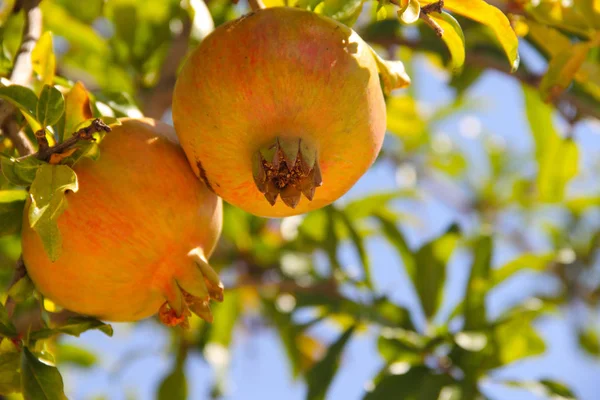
(86, 133)
(21, 73)
(424, 15)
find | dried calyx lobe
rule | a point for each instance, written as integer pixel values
(288, 168)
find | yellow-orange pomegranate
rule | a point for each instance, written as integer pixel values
(281, 111)
(136, 234)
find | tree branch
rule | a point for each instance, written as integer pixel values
(158, 99)
(21, 74)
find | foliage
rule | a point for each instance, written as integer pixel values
(128, 52)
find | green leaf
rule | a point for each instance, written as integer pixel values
(225, 317)
(10, 378)
(410, 12)
(22, 289)
(74, 355)
(51, 106)
(25, 100)
(368, 205)
(48, 202)
(589, 340)
(558, 388)
(12, 203)
(557, 158)
(43, 59)
(74, 326)
(516, 339)
(320, 376)
(359, 244)
(453, 37)
(547, 388)
(20, 172)
(6, 326)
(477, 286)
(77, 108)
(429, 275)
(418, 383)
(40, 381)
(390, 231)
(400, 345)
(173, 386)
(528, 261)
(482, 12)
(345, 11)
(21, 97)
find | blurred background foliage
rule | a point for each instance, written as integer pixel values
(508, 211)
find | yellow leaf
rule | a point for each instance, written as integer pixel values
(393, 74)
(482, 12)
(43, 59)
(410, 11)
(562, 69)
(77, 108)
(453, 37)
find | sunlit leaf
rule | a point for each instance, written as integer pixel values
(392, 73)
(482, 12)
(77, 109)
(43, 59)
(562, 69)
(410, 11)
(48, 202)
(557, 158)
(525, 262)
(40, 381)
(453, 37)
(517, 339)
(320, 376)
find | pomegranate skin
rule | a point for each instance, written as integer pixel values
(129, 228)
(279, 73)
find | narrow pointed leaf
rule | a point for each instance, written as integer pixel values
(453, 37)
(40, 381)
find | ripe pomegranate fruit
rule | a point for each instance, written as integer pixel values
(136, 235)
(280, 103)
